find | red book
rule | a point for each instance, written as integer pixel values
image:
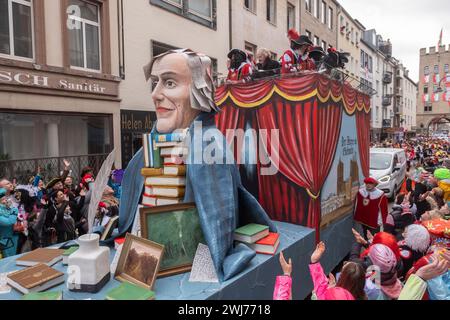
(268, 245)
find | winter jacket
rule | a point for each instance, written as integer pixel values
(8, 217)
(445, 186)
(414, 289)
(321, 289)
(283, 288)
(439, 288)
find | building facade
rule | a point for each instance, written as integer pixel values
(433, 103)
(348, 39)
(59, 84)
(318, 20)
(259, 24)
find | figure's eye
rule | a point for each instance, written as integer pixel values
(170, 84)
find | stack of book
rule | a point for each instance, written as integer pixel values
(165, 169)
(258, 238)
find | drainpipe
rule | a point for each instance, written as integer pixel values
(121, 37)
(230, 22)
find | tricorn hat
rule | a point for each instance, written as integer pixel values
(302, 40)
(52, 183)
(237, 52)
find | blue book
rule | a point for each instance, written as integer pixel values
(170, 137)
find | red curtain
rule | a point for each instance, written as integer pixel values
(363, 129)
(307, 143)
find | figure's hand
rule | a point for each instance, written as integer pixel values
(369, 236)
(317, 254)
(66, 164)
(83, 192)
(331, 281)
(433, 270)
(286, 267)
(359, 239)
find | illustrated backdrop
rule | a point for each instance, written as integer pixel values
(309, 111)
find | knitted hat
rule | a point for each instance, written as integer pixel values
(417, 238)
(383, 257)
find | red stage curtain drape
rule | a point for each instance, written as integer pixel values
(363, 129)
(306, 146)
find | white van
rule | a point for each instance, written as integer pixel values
(388, 166)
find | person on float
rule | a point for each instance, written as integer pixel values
(371, 209)
(297, 57)
(240, 66)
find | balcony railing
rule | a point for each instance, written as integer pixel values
(22, 170)
(387, 77)
(387, 101)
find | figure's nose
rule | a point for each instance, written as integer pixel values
(157, 93)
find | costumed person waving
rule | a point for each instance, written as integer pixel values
(371, 208)
(240, 67)
(297, 57)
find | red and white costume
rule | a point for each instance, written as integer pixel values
(244, 71)
(291, 62)
(371, 208)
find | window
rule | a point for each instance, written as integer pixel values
(201, 11)
(330, 18)
(324, 12)
(377, 112)
(370, 64)
(446, 69)
(342, 26)
(352, 35)
(250, 5)
(308, 4)
(290, 16)
(272, 11)
(84, 38)
(426, 70)
(16, 29)
(436, 69)
(317, 9)
(250, 47)
(378, 88)
(316, 40)
(357, 38)
(273, 56)
(428, 107)
(324, 45)
(308, 33)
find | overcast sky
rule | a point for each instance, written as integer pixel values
(410, 24)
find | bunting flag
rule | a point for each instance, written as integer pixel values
(447, 95)
(436, 97)
(426, 79)
(436, 78)
(425, 98)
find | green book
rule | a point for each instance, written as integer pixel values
(67, 253)
(129, 291)
(157, 161)
(43, 296)
(251, 233)
(251, 229)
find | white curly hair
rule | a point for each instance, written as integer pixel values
(417, 238)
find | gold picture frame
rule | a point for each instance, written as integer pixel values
(177, 227)
(139, 261)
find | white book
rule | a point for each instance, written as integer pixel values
(174, 152)
(153, 202)
(165, 181)
(169, 192)
(43, 287)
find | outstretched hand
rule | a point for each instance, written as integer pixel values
(331, 281)
(434, 269)
(286, 267)
(317, 254)
(359, 239)
(66, 164)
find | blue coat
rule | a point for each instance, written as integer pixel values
(222, 201)
(8, 218)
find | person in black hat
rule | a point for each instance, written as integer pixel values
(240, 68)
(296, 58)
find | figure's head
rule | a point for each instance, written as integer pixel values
(59, 197)
(353, 279)
(68, 182)
(182, 88)
(371, 184)
(7, 185)
(262, 56)
(237, 57)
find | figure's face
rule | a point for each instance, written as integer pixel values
(58, 186)
(171, 96)
(261, 58)
(41, 184)
(68, 181)
(370, 187)
(60, 197)
(6, 184)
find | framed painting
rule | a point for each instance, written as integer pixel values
(177, 227)
(139, 261)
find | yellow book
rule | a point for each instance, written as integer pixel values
(151, 172)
